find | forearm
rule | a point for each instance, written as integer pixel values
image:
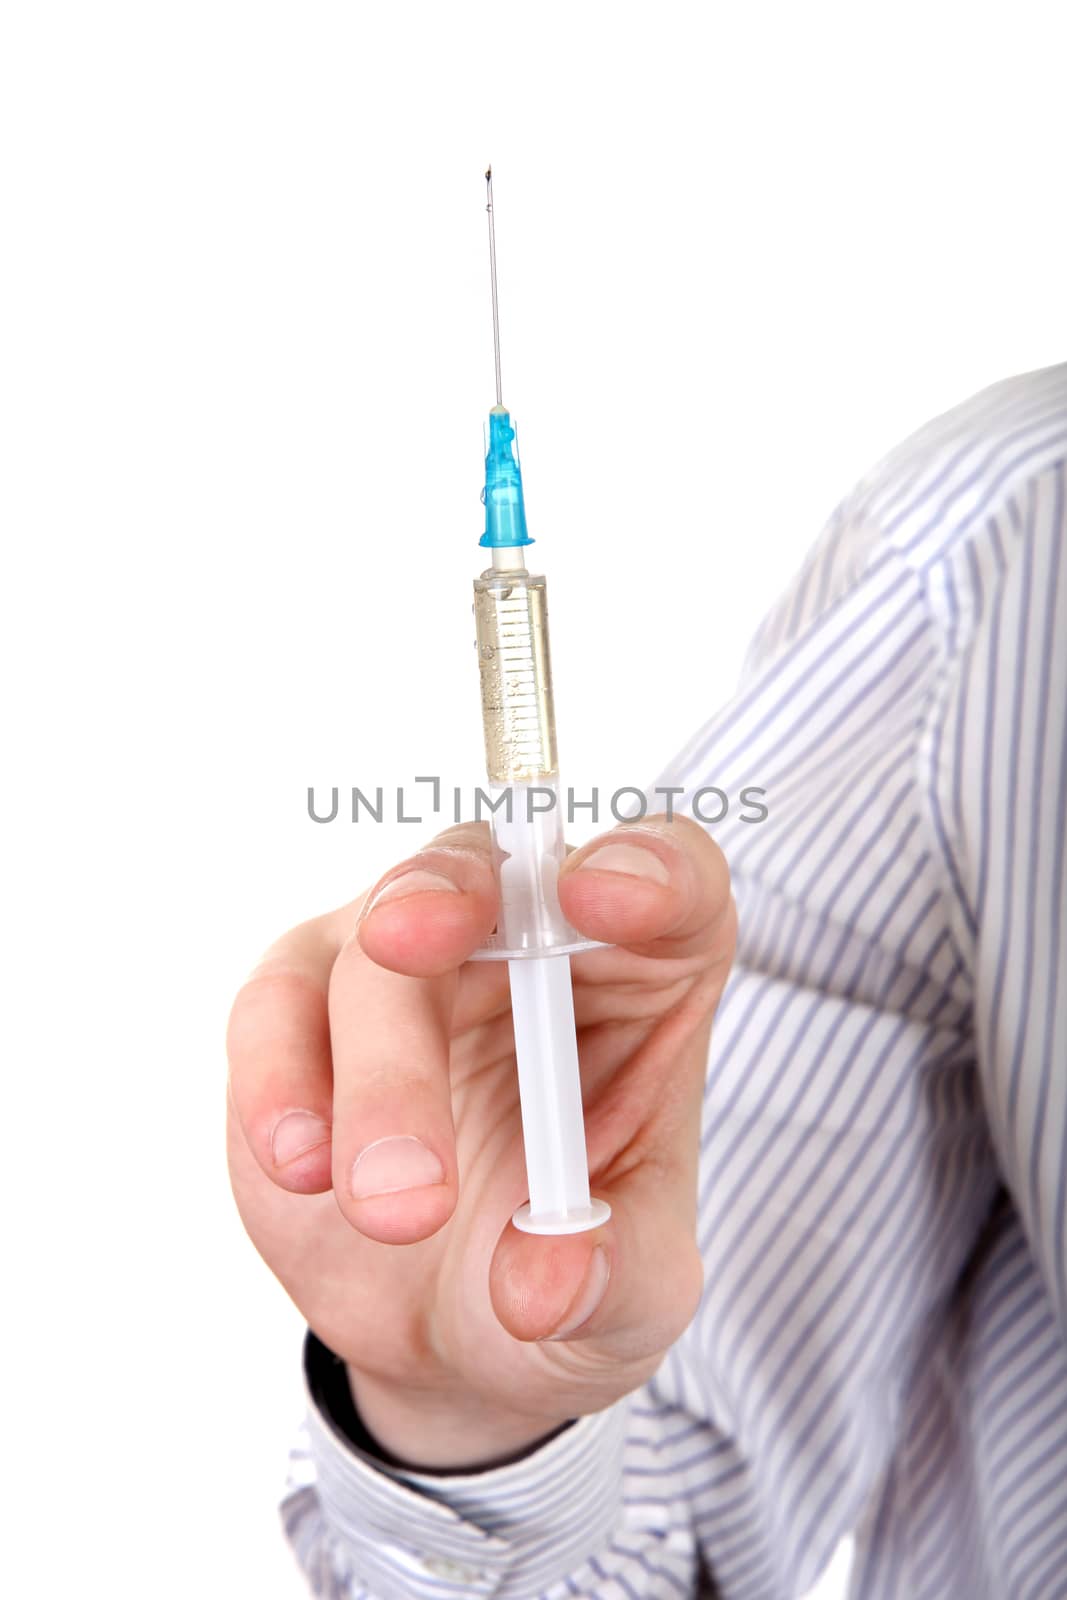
(434, 1434)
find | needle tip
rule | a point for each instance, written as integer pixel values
(488, 174)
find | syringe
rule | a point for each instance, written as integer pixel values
(532, 934)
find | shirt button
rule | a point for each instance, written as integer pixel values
(441, 1567)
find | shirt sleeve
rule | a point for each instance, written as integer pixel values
(999, 766)
(364, 1530)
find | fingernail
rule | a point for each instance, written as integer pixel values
(389, 1165)
(633, 859)
(295, 1133)
(413, 882)
(590, 1294)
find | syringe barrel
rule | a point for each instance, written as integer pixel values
(519, 723)
(518, 717)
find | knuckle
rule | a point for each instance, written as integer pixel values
(271, 993)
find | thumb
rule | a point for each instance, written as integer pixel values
(596, 1289)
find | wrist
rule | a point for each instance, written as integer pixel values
(423, 1433)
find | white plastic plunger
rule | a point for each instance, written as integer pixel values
(536, 940)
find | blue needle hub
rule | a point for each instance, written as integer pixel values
(505, 512)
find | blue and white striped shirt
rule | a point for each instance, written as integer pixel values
(881, 1346)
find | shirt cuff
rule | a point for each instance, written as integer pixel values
(511, 1532)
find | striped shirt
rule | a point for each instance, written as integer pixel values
(881, 1347)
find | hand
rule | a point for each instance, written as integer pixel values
(350, 1033)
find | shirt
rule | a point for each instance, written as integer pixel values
(880, 1346)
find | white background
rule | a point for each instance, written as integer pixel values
(245, 362)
